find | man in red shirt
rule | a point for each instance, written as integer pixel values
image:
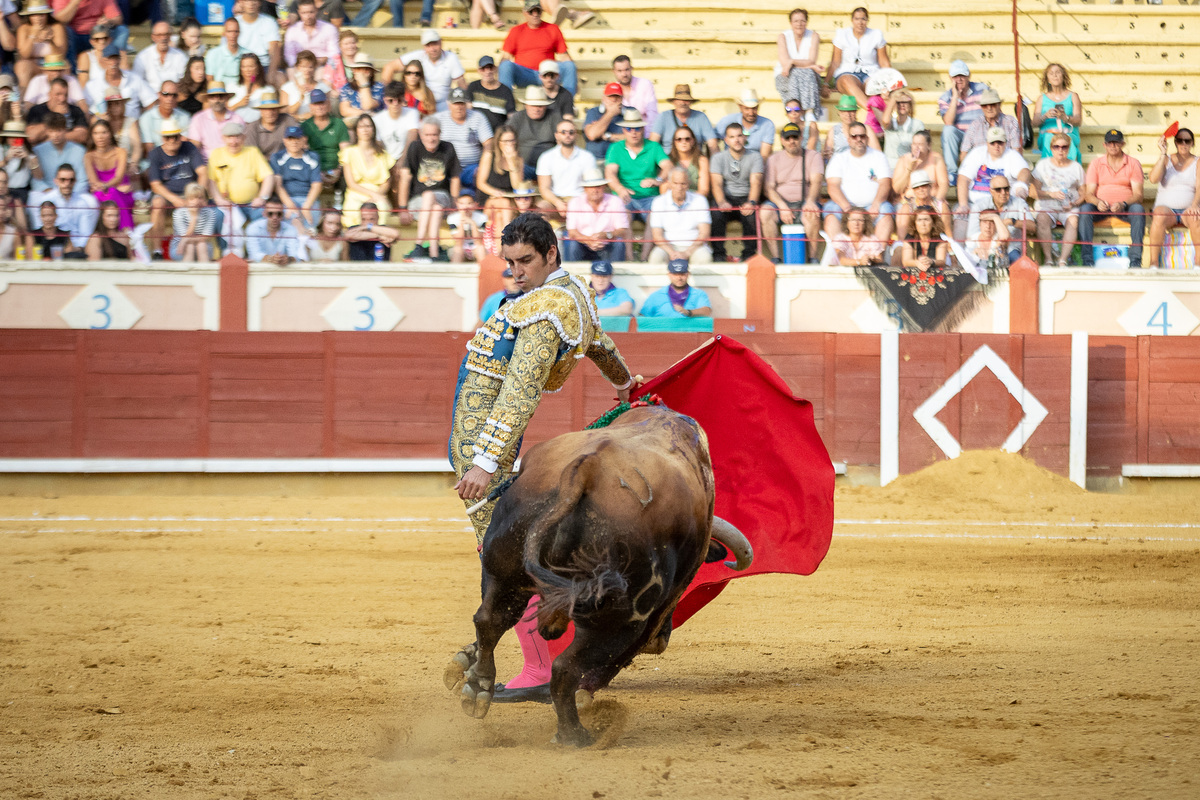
(80, 16)
(1113, 188)
(528, 45)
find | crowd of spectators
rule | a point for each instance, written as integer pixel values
(261, 142)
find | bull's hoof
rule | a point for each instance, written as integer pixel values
(455, 673)
(476, 703)
(583, 699)
(579, 737)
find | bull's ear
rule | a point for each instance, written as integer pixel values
(716, 552)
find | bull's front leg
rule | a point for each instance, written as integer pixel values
(472, 671)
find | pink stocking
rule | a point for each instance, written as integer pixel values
(534, 649)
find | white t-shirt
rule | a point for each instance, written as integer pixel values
(680, 224)
(858, 55)
(439, 76)
(257, 36)
(860, 176)
(1016, 210)
(292, 91)
(1068, 178)
(566, 175)
(979, 168)
(154, 72)
(137, 93)
(394, 132)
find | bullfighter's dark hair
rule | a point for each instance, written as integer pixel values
(531, 229)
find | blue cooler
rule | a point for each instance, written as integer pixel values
(213, 12)
(794, 243)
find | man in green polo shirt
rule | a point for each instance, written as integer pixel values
(326, 137)
(635, 169)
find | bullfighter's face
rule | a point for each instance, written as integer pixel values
(529, 268)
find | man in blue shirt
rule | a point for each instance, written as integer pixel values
(269, 240)
(611, 301)
(760, 131)
(665, 124)
(679, 299)
(510, 292)
(602, 124)
(299, 172)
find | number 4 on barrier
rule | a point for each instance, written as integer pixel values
(1158, 312)
(1155, 320)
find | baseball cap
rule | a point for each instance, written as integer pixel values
(458, 95)
(549, 65)
(532, 4)
(959, 67)
(602, 268)
(919, 178)
(293, 132)
(679, 266)
(112, 51)
(316, 96)
(507, 272)
(791, 130)
(7, 80)
(430, 35)
(487, 61)
(613, 88)
(1113, 135)
(232, 129)
(997, 134)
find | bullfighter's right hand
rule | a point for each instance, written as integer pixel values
(474, 484)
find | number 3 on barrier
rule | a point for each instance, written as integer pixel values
(369, 306)
(103, 304)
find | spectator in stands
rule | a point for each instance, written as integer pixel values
(858, 52)
(13, 233)
(838, 139)
(38, 90)
(74, 121)
(635, 170)
(39, 36)
(160, 61)
(925, 249)
(560, 99)
(1059, 111)
(77, 208)
(467, 131)
(363, 94)
(189, 39)
(860, 245)
(560, 170)
(510, 292)
(1059, 182)
(1014, 214)
(489, 96)
(296, 94)
(810, 133)
(112, 77)
(397, 124)
(635, 92)
(993, 117)
(598, 225)
(54, 240)
(859, 177)
(683, 114)
(535, 126)
(990, 245)
(1178, 199)
(899, 126)
(337, 69)
(56, 151)
(602, 124)
(298, 173)
(195, 226)
(327, 137)
(524, 195)
(481, 7)
(205, 127)
(15, 162)
(937, 184)
(528, 45)
(759, 132)
(797, 73)
(222, 62)
(125, 130)
(959, 107)
(310, 34)
(88, 62)
(500, 169)
(331, 11)
(368, 240)
(367, 170)
(173, 166)
(975, 178)
(441, 68)
(792, 187)
(239, 175)
(107, 171)
(260, 35)
(366, 13)
(679, 299)
(688, 152)
(193, 87)
(611, 300)
(466, 225)
(429, 180)
(327, 244)
(82, 16)
(417, 95)
(1113, 191)
(266, 132)
(165, 113)
(110, 241)
(680, 223)
(269, 241)
(737, 181)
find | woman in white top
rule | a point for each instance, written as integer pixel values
(251, 78)
(11, 236)
(1059, 182)
(797, 75)
(327, 245)
(296, 93)
(1177, 201)
(858, 51)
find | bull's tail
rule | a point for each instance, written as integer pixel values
(591, 580)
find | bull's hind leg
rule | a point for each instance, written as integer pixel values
(591, 652)
(473, 670)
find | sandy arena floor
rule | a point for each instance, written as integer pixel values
(981, 629)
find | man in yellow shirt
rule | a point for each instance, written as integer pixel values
(239, 175)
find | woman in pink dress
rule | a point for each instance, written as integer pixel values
(107, 172)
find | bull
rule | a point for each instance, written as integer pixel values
(608, 527)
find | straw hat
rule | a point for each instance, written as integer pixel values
(535, 96)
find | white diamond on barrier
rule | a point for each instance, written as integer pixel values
(362, 307)
(1158, 313)
(870, 319)
(983, 358)
(100, 306)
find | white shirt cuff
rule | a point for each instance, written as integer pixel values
(486, 464)
(624, 385)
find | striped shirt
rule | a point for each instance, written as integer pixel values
(968, 110)
(467, 138)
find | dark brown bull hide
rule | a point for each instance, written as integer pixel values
(609, 527)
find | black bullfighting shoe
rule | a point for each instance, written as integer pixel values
(526, 694)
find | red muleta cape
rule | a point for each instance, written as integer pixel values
(773, 474)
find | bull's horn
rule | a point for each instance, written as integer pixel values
(737, 543)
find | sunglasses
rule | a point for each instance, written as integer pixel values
(534, 11)
(858, 136)
(793, 109)
(99, 38)
(168, 94)
(684, 139)
(273, 214)
(1001, 189)
(1184, 141)
(1060, 147)
(411, 72)
(171, 136)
